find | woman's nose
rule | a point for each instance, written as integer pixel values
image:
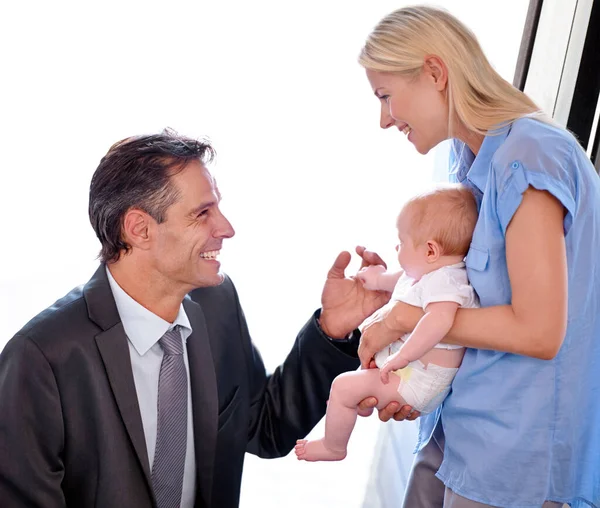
(386, 119)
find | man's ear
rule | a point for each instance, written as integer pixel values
(136, 228)
(435, 69)
(434, 251)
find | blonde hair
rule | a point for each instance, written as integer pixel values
(477, 95)
(447, 215)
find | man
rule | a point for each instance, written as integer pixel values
(142, 388)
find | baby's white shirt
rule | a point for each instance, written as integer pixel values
(446, 284)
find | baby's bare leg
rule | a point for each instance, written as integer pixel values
(347, 391)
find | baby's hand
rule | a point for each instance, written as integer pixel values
(394, 362)
(369, 276)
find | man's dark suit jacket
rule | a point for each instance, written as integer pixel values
(71, 433)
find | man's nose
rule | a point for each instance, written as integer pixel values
(223, 229)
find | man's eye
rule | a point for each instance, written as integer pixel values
(202, 213)
(384, 97)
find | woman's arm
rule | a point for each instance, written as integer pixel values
(535, 322)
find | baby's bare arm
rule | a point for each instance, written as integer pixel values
(430, 330)
(377, 278)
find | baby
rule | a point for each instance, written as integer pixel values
(434, 231)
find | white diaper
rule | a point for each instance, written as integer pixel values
(381, 356)
(422, 388)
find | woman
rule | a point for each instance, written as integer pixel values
(522, 424)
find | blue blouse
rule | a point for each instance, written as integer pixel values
(520, 430)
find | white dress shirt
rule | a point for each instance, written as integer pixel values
(144, 329)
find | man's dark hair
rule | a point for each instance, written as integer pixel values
(136, 173)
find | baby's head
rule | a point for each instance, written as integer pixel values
(435, 229)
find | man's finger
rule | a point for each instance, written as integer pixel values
(337, 271)
(369, 257)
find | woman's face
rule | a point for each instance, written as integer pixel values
(417, 107)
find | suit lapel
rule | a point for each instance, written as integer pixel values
(115, 355)
(112, 344)
(204, 398)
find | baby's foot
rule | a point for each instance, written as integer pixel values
(314, 451)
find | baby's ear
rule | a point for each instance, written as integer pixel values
(434, 251)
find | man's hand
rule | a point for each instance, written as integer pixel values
(345, 302)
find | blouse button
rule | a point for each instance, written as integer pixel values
(515, 165)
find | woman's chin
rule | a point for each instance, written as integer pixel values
(422, 149)
(420, 146)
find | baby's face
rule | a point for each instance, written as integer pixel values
(412, 257)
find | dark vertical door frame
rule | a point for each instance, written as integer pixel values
(529, 32)
(587, 87)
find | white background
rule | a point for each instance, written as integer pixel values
(303, 167)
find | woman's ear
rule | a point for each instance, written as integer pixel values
(436, 70)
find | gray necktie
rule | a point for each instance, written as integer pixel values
(171, 432)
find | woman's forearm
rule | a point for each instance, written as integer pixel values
(497, 328)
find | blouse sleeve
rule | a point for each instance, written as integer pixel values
(543, 171)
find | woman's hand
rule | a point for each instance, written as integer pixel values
(385, 326)
(392, 410)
